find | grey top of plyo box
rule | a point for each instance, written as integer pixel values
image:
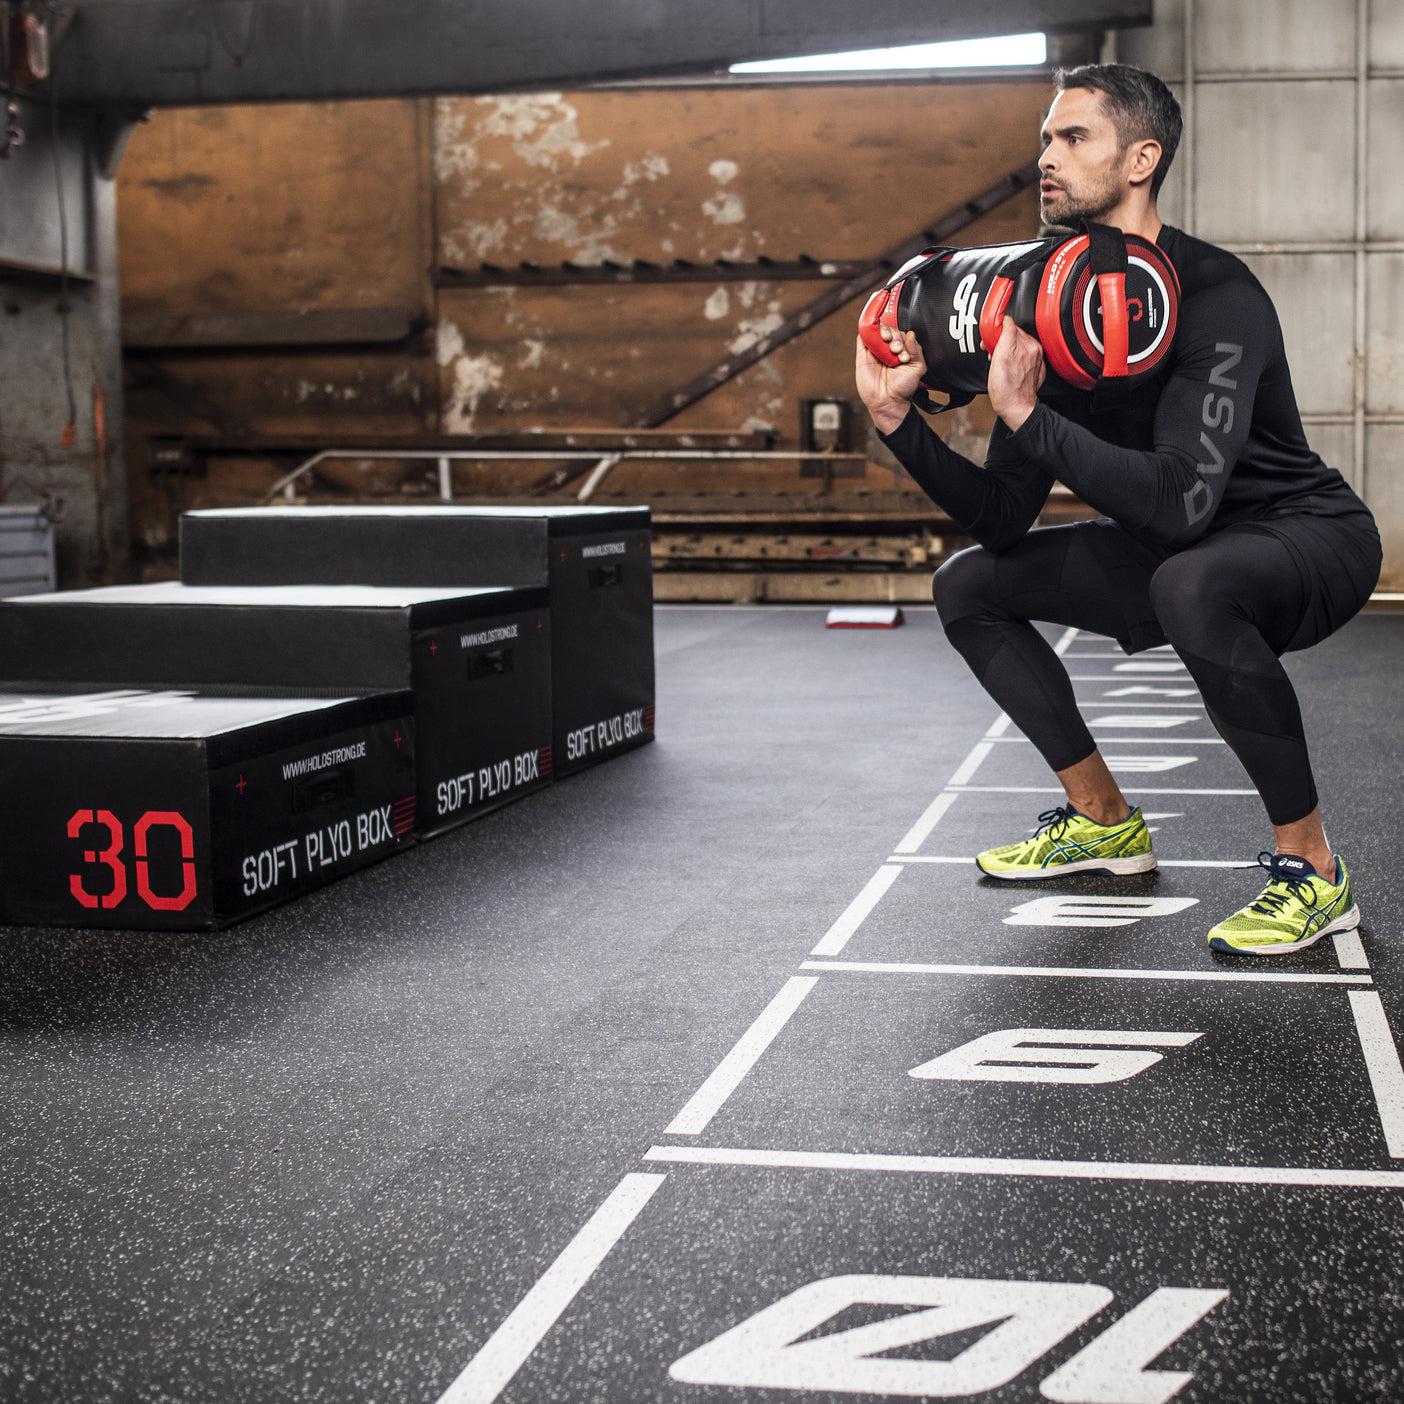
(269, 596)
(553, 520)
(246, 636)
(145, 713)
(558, 513)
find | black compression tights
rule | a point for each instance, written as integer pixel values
(1229, 605)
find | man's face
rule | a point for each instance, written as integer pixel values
(1083, 167)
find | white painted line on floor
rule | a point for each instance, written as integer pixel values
(1121, 677)
(921, 830)
(1204, 862)
(919, 858)
(1174, 706)
(971, 763)
(1000, 726)
(1065, 642)
(1158, 740)
(1058, 790)
(842, 931)
(765, 608)
(1382, 1063)
(1350, 954)
(506, 1350)
(707, 1101)
(1072, 972)
(1154, 722)
(1163, 862)
(1044, 1169)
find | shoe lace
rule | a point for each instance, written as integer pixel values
(1273, 898)
(1055, 820)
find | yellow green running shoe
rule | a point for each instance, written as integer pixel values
(1295, 909)
(1067, 841)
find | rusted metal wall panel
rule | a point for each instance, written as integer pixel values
(257, 215)
(345, 206)
(696, 174)
(247, 209)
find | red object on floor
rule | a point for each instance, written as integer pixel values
(864, 617)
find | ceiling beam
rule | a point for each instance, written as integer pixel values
(138, 54)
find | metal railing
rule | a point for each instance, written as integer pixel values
(288, 481)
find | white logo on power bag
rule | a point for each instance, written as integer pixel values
(607, 548)
(31, 711)
(963, 319)
(323, 760)
(507, 631)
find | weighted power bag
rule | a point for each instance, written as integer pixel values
(1103, 305)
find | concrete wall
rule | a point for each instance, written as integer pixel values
(1294, 115)
(82, 485)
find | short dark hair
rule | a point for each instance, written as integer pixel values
(1140, 106)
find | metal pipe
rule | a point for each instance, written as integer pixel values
(285, 483)
(1362, 152)
(1188, 113)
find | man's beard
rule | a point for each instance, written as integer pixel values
(1072, 213)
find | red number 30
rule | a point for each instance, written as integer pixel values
(111, 858)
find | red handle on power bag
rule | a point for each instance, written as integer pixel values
(880, 311)
(992, 313)
(1115, 331)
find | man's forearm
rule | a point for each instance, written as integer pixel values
(1139, 488)
(952, 482)
(995, 504)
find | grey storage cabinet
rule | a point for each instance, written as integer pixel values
(26, 551)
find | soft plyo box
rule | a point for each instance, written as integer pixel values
(179, 809)
(478, 662)
(596, 561)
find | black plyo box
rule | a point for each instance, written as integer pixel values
(478, 662)
(184, 810)
(596, 561)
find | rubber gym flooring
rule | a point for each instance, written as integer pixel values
(719, 1073)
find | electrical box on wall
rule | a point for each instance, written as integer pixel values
(826, 426)
(170, 457)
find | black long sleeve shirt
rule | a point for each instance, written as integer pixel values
(1213, 438)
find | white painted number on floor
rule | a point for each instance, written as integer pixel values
(1094, 911)
(1161, 721)
(1112, 1370)
(1148, 765)
(1139, 688)
(1028, 1319)
(1065, 1056)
